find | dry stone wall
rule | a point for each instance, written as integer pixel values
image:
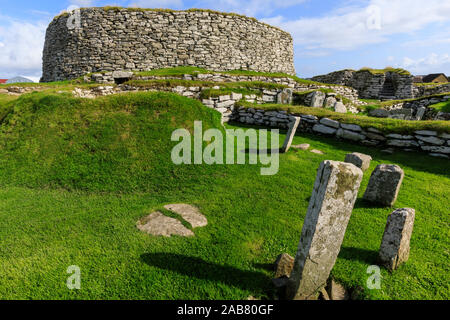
(424, 91)
(434, 143)
(346, 92)
(131, 39)
(418, 109)
(385, 86)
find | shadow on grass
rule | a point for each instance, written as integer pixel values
(259, 151)
(357, 254)
(200, 269)
(364, 204)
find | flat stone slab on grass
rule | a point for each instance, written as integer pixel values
(158, 224)
(303, 146)
(189, 213)
(317, 151)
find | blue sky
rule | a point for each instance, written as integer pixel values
(328, 35)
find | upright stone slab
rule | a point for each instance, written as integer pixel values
(359, 159)
(285, 97)
(330, 207)
(394, 248)
(318, 98)
(290, 134)
(384, 185)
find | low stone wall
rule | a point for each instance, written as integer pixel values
(423, 91)
(346, 92)
(224, 104)
(431, 142)
(414, 110)
(320, 99)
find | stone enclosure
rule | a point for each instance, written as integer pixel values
(382, 86)
(112, 39)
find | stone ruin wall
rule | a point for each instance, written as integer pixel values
(370, 86)
(139, 40)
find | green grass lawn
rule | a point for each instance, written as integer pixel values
(442, 106)
(76, 175)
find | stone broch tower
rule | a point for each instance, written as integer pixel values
(111, 39)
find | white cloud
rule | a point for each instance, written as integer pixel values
(433, 63)
(354, 26)
(82, 3)
(250, 7)
(157, 3)
(21, 49)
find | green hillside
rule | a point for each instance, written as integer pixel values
(77, 174)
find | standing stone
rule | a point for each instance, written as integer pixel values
(340, 107)
(359, 159)
(318, 98)
(330, 207)
(394, 248)
(330, 102)
(285, 96)
(290, 134)
(420, 113)
(384, 185)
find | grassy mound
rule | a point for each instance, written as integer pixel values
(116, 143)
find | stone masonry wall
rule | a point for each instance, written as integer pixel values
(434, 143)
(138, 40)
(371, 86)
(346, 92)
(424, 91)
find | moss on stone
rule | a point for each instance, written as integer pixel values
(385, 70)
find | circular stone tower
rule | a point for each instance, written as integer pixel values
(110, 39)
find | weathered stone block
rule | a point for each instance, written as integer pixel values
(285, 97)
(384, 184)
(318, 99)
(324, 129)
(330, 123)
(395, 245)
(360, 160)
(330, 207)
(340, 107)
(350, 135)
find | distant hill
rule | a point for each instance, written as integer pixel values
(18, 80)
